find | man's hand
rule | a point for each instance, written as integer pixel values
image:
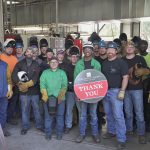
(121, 94)
(22, 87)
(61, 95)
(10, 92)
(44, 95)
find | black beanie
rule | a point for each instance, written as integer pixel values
(43, 43)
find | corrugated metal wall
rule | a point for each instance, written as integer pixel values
(73, 11)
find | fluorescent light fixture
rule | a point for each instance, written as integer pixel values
(145, 19)
(31, 28)
(8, 2)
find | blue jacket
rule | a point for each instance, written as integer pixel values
(3, 79)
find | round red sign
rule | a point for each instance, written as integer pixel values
(90, 86)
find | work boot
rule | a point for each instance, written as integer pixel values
(12, 122)
(59, 137)
(121, 145)
(6, 132)
(108, 135)
(48, 137)
(96, 138)
(80, 138)
(40, 129)
(129, 133)
(24, 131)
(142, 139)
(67, 130)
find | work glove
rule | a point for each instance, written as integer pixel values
(142, 72)
(10, 92)
(121, 94)
(44, 95)
(23, 86)
(61, 95)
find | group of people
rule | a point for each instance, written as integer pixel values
(44, 84)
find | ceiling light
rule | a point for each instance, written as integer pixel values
(8, 2)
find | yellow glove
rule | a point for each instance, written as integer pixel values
(61, 95)
(44, 95)
(29, 83)
(121, 95)
(22, 87)
(141, 72)
(10, 92)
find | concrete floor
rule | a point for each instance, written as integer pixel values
(34, 140)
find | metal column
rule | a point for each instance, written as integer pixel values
(1, 22)
(56, 16)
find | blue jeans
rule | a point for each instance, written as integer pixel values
(134, 99)
(70, 102)
(59, 119)
(12, 105)
(114, 114)
(3, 111)
(83, 118)
(26, 102)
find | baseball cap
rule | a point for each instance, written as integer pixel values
(60, 52)
(112, 45)
(89, 45)
(19, 45)
(102, 44)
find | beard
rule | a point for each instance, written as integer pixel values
(111, 55)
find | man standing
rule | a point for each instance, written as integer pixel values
(43, 48)
(19, 48)
(116, 72)
(70, 96)
(87, 62)
(11, 60)
(143, 46)
(29, 89)
(7, 56)
(134, 93)
(53, 86)
(19, 52)
(5, 93)
(102, 52)
(49, 55)
(101, 58)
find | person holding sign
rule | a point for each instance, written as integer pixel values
(87, 62)
(116, 72)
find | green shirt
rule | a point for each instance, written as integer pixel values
(80, 66)
(147, 59)
(53, 82)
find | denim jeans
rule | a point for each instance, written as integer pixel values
(83, 118)
(59, 119)
(26, 102)
(12, 106)
(114, 114)
(134, 99)
(3, 111)
(70, 102)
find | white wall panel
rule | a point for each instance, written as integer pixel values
(73, 11)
